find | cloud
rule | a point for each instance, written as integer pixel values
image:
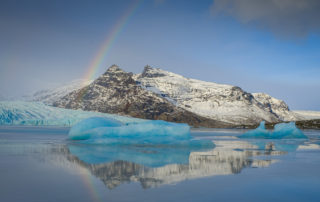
(285, 18)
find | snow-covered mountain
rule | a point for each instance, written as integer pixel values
(279, 107)
(217, 101)
(49, 96)
(117, 92)
(159, 94)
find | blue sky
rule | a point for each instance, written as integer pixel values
(260, 47)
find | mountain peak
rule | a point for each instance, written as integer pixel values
(149, 71)
(114, 69)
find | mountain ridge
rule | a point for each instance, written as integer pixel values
(117, 92)
(219, 101)
(158, 94)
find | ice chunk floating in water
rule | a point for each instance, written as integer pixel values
(259, 132)
(281, 131)
(287, 130)
(80, 130)
(98, 130)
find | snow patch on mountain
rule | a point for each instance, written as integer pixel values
(217, 101)
(49, 96)
(308, 115)
(279, 107)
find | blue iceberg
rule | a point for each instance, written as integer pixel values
(81, 131)
(281, 131)
(100, 130)
(260, 132)
(286, 131)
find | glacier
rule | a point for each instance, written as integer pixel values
(39, 114)
(281, 131)
(108, 131)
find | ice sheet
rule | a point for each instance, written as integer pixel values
(39, 114)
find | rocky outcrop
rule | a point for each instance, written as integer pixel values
(276, 106)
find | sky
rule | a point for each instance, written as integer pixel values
(270, 46)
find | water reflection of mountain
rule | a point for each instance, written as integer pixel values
(229, 157)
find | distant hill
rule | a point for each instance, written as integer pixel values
(49, 96)
(308, 115)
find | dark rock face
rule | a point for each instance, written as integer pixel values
(309, 124)
(146, 72)
(117, 92)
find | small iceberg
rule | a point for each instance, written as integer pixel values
(281, 131)
(286, 131)
(108, 131)
(260, 132)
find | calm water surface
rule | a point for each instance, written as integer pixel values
(39, 164)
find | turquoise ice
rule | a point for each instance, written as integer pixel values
(147, 156)
(281, 131)
(260, 132)
(82, 130)
(39, 114)
(108, 131)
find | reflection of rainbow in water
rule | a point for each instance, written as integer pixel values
(109, 41)
(87, 179)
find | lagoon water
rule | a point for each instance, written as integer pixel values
(40, 164)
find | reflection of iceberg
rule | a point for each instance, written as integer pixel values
(136, 165)
(281, 131)
(148, 156)
(309, 147)
(100, 130)
(279, 145)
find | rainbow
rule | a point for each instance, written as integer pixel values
(109, 41)
(92, 70)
